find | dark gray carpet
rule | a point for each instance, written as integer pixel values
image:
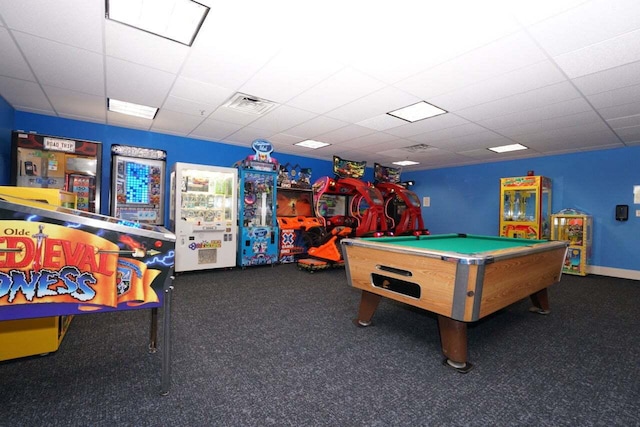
(274, 346)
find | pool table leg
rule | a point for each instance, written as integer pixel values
(453, 336)
(540, 302)
(368, 305)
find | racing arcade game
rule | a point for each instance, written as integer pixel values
(402, 206)
(347, 207)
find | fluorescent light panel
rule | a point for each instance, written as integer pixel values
(413, 113)
(310, 143)
(406, 163)
(131, 109)
(177, 20)
(507, 148)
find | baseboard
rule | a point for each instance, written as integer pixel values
(614, 272)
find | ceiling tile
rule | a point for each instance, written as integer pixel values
(290, 73)
(430, 124)
(12, 64)
(618, 111)
(118, 119)
(316, 126)
(589, 23)
(141, 47)
(215, 130)
(380, 102)
(73, 22)
(136, 83)
(22, 94)
(60, 65)
(343, 87)
(344, 134)
(167, 121)
(614, 78)
(623, 122)
(80, 106)
(610, 53)
(282, 118)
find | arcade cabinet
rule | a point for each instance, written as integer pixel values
(346, 207)
(299, 227)
(402, 206)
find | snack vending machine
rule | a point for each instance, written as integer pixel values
(41, 161)
(137, 184)
(258, 228)
(203, 215)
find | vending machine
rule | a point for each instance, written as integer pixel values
(137, 184)
(203, 215)
(525, 210)
(258, 227)
(41, 161)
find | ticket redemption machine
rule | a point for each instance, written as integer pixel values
(29, 337)
(56, 261)
(346, 207)
(299, 228)
(257, 199)
(40, 161)
(137, 184)
(525, 207)
(575, 227)
(402, 206)
(203, 215)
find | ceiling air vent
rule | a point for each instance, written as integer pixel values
(418, 148)
(249, 104)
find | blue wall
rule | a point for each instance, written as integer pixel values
(467, 199)
(463, 199)
(7, 118)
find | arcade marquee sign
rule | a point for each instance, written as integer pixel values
(50, 263)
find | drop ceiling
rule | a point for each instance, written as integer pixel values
(558, 76)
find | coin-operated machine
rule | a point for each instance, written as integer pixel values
(346, 206)
(525, 207)
(402, 206)
(299, 227)
(575, 227)
(257, 192)
(137, 183)
(74, 165)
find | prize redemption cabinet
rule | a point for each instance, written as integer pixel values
(298, 225)
(402, 206)
(258, 225)
(526, 207)
(576, 228)
(57, 261)
(41, 161)
(203, 214)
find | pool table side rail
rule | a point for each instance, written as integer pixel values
(451, 285)
(465, 258)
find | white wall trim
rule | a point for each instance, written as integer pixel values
(614, 272)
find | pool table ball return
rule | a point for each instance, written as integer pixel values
(460, 277)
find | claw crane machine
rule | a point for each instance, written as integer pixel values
(203, 215)
(525, 207)
(576, 227)
(41, 161)
(258, 232)
(137, 184)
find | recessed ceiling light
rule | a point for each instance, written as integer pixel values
(406, 163)
(413, 113)
(310, 143)
(507, 148)
(177, 20)
(131, 109)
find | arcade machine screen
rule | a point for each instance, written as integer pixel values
(294, 203)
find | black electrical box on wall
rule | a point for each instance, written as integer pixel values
(622, 212)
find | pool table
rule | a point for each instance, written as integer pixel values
(460, 277)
